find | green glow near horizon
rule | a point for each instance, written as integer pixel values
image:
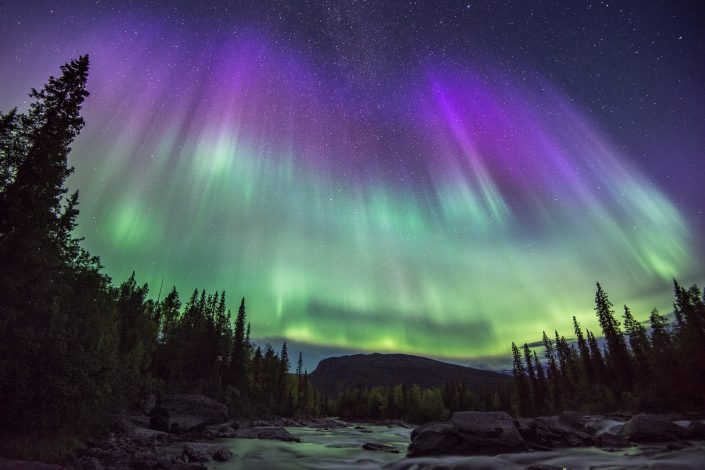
(237, 182)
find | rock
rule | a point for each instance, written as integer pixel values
(181, 413)
(434, 439)
(276, 433)
(677, 446)
(137, 428)
(204, 452)
(223, 455)
(321, 423)
(10, 464)
(222, 431)
(380, 447)
(696, 430)
(574, 420)
(91, 463)
(608, 440)
(599, 426)
(194, 453)
(496, 430)
(144, 458)
(468, 433)
(651, 428)
(553, 432)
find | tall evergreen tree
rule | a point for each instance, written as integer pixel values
(639, 345)
(238, 357)
(531, 378)
(598, 363)
(689, 308)
(660, 337)
(282, 385)
(53, 376)
(584, 350)
(530, 372)
(540, 390)
(554, 375)
(521, 384)
(618, 360)
(299, 366)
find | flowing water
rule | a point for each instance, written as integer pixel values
(341, 448)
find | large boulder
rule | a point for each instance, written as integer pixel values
(276, 433)
(695, 430)
(196, 453)
(652, 428)
(557, 431)
(611, 441)
(434, 439)
(220, 430)
(575, 420)
(180, 413)
(223, 455)
(468, 433)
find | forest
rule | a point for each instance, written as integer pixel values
(658, 366)
(76, 348)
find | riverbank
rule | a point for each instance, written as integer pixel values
(201, 436)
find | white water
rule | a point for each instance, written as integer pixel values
(339, 448)
(342, 449)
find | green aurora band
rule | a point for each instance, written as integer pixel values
(490, 222)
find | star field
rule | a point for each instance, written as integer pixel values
(438, 178)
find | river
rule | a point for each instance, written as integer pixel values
(338, 448)
(341, 448)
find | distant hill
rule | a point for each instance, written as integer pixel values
(335, 374)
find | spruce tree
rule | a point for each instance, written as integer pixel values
(661, 342)
(688, 306)
(282, 384)
(238, 357)
(618, 361)
(54, 377)
(531, 378)
(598, 363)
(584, 351)
(299, 379)
(639, 344)
(521, 386)
(540, 388)
(554, 375)
(529, 365)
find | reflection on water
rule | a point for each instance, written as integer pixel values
(339, 448)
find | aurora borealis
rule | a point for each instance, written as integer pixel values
(369, 183)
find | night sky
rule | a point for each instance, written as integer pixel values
(437, 178)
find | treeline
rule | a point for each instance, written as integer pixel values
(196, 348)
(413, 404)
(73, 347)
(659, 367)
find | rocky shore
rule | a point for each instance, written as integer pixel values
(483, 433)
(184, 432)
(175, 433)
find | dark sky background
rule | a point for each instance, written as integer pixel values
(634, 70)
